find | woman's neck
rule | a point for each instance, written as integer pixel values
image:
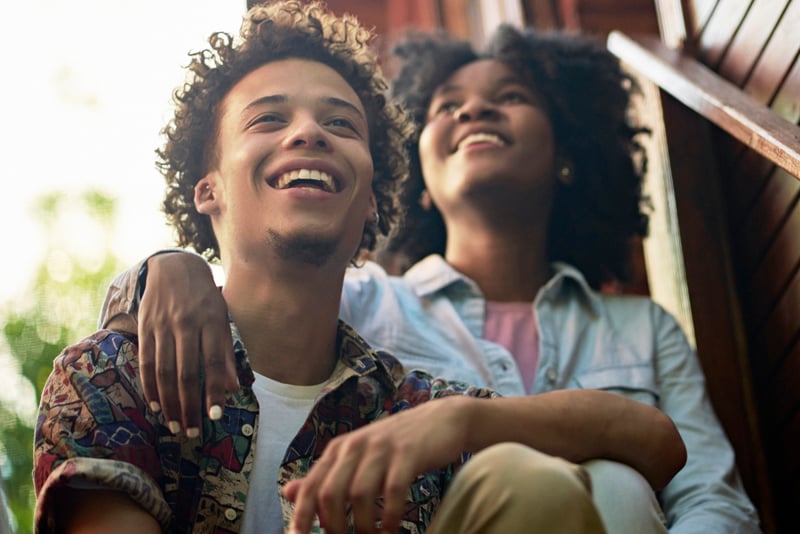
(506, 265)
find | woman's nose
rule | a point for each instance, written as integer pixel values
(476, 109)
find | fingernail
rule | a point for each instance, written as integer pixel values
(215, 412)
(174, 427)
(155, 407)
(192, 432)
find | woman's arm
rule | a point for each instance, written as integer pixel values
(182, 322)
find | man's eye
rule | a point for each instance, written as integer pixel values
(266, 118)
(341, 123)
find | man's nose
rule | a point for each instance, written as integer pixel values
(306, 132)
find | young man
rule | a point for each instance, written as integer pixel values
(281, 160)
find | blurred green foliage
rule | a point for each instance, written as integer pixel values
(60, 306)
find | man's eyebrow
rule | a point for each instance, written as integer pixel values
(338, 102)
(269, 99)
(282, 99)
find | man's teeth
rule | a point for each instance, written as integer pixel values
(306, 177)
(481, 137)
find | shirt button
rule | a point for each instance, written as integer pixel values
(551, 375)
(247, 430)
(230, 514)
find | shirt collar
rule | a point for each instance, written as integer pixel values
(433, 274)
(356, 358)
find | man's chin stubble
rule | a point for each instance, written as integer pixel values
(314, 251)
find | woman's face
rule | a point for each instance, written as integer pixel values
(487, 139)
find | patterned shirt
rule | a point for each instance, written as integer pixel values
(95, 430)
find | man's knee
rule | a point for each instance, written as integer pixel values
(513, 488)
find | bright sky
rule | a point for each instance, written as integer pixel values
(85, 90)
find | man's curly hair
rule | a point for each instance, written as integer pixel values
(586, 96)
(272, 32)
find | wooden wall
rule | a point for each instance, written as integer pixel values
(756, 45)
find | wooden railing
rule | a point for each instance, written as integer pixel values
(713, 97)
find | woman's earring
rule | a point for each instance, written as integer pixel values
(425, 200)
(565, 175)
(377, 218)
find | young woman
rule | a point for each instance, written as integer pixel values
(523, 200)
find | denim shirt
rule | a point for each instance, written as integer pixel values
(432, 318)
(621, 343)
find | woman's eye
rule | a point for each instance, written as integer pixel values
(447, 108)
(513, 98)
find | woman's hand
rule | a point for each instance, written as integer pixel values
(183, 328)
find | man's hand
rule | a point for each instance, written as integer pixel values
(183, 325)
(380, 459)
(383, 458)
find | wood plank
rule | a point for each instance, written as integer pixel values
(776, 269)
(777, 59)
(720, 30)
(779, 392)
(779, 331)
(748, 175)
(602, 22)
(787, 102)
(541, 14)
(696, 15)
(712, 97)
(750, 40)
(764, 222)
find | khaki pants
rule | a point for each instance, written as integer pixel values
(509, 489)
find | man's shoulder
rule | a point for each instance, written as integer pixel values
(98, 351)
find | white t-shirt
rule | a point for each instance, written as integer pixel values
(283, 408)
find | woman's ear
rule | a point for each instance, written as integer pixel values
(373, 208)
(205, 197)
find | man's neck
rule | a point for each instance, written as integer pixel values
(288, 323)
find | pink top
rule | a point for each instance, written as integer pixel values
(513, 325)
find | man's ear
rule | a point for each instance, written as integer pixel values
(206, 200)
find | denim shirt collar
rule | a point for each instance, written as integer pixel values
(433, 274)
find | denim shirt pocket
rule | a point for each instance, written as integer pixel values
(633, 381)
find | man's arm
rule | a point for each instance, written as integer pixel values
(183, 332)
(94, 433)
(101, 512)
(382, 459)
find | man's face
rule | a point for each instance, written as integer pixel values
(293, 170)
